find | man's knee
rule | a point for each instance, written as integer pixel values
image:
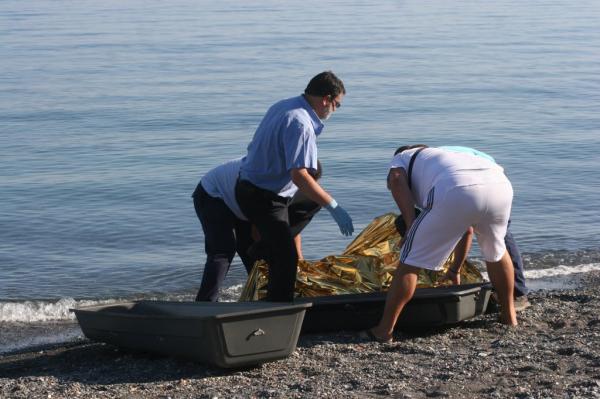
(221, 258)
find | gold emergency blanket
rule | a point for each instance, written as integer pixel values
(366, 265)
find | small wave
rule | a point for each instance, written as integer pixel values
(40, 311)
(231, 294)
(49, 311)
(561, 270)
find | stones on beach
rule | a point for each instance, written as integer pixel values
(554, 352)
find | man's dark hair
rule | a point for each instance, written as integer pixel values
(325, 84)
(409, 147)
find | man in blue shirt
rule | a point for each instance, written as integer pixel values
(280, 157)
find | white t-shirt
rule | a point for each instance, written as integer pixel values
(220, 183)
(434, 165)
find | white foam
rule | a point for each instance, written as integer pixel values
(41, 311)
(556, 271)
(36, 311)
(231, 293)
(561, 270)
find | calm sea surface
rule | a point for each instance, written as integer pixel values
(111, 111)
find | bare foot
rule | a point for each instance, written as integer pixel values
(376, 335)
(507, 320)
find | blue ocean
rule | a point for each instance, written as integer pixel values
(111, 111)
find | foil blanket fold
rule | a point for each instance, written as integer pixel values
(366, 265)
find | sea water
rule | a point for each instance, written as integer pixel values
(111, 111)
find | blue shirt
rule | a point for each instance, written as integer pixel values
(468, 150)
(285, 139)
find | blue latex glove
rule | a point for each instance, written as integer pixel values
(341, 217)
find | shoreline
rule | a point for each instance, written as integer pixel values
(554, 352)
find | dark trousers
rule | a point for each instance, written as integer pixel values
(224, 235)
(515, 255)
(301, 210)
(269, 213)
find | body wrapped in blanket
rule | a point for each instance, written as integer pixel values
(366, 265)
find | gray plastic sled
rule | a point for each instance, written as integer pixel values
(226, 334)
(429, 307)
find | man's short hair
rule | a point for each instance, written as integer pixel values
(409, 147)
(325, 84)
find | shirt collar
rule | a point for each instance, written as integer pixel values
(316, 121)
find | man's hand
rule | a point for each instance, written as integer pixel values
(400, 243)
(341, 217)
(453, 275)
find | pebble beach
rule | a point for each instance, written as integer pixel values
(553, 353)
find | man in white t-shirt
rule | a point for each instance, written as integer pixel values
(227, 231)
(455, 191)
(463, 247)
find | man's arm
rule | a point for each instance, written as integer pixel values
(298, 242)
(398, 185)
(309, 186)
(460, 255)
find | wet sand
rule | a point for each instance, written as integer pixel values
(553, 353)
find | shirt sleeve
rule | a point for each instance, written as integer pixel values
(300, 144)
(398, 162)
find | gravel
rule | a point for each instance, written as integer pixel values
(553, 353)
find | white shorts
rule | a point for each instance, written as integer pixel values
(450, 211)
